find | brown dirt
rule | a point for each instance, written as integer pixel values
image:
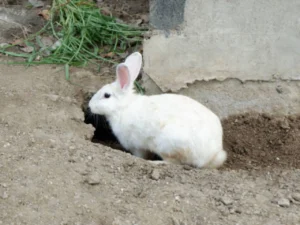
(129, 6)
(51, 173)
(130, 11)
(252, 140)
(261, 141)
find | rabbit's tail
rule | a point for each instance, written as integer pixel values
(217, 160)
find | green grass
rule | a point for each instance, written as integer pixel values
(83, 32)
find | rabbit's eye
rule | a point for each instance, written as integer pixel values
(106, 95)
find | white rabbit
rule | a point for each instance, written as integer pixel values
(175, 127)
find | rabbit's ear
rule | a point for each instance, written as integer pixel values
(134, 64)
(123, 76)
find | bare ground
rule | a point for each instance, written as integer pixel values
(51, 173)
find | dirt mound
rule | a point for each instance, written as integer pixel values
(51, 171)
(252, 140)
(258, 140)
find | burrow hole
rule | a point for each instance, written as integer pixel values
(252, 140)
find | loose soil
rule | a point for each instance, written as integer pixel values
(52, 173)
(252, 140)
(126, 8)
(262, 141)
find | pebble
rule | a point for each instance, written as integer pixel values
(182, 179)
(36, 3)
(187, 167)
(4, 185)
(279, 89)
(3, 45)
(145, 18)
(155, 175)
(93, 178)
(175, 221)
(283, 202)
(226, 200)
(53, 98)
(6, 145)
(177, 198)
(27, 49)
(296, 196)
(239, 211)
(83, 170)
(72, 159)
(4, 195)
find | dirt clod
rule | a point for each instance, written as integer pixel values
(283, 202)
(226, 200)
(155, 175)
(93, 178)
(296, 196)
(4, 195)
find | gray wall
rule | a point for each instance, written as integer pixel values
(237, 55)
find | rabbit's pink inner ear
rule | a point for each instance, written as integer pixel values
(123, 75)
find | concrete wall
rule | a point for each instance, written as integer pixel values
(227, 47)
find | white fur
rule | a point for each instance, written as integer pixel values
(176, 127)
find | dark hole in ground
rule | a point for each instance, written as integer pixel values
(103, 133)
(252, 140)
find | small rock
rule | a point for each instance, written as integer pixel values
(283, 202)
(284, 124)
(226, 200)
(27, 49)
(56, 45)
(138, 21)
(4, 195)
(141, 193)
(106, 11)
(30, 143)
(38, 58)
(239, 211)
(145, 18)
(104, 70)
(296, 196)
(4, 185)
(3, 45)
(6, 145)
(182, 179)
(123, 55)
(36, 3)
(175, 221)
(177, 198)
(155, 175)
(45, 13)
(53, 98)
(187, 167)
(279, 89)
(83, 170)
(232, 211)
(46, 42)
(93, 179)
(72, 159)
